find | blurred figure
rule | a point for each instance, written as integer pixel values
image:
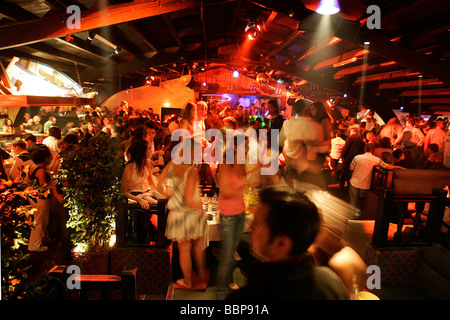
(285, 225)
(299, 136)
(391, 130)
(320, 115)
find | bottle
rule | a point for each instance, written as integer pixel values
(209, 204)
(205, 202)
(215, 201)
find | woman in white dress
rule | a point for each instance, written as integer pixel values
(186, 222)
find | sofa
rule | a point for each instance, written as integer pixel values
(429, 278)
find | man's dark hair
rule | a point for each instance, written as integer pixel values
(369, 147)
(20, 143)
(31, 138)
(292, 214)
(40, 155)
(299, 106)
(55, 132)
(71, 138)
(273, 103)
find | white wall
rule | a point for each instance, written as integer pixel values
(170, 94)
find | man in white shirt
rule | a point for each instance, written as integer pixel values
(362, 167)
(52, 142)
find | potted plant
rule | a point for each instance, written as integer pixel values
(90, 180)
(16, 222)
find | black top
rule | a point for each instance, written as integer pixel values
(291, 280)
(34, 178)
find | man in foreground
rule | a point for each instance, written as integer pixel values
(285, 224)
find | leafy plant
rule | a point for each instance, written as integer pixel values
(16, 222)
(90, 178)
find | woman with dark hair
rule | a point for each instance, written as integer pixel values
(137, 183)
(137, 178)
(188, 117)
(139, 133)
(37, 175)
(320, 115)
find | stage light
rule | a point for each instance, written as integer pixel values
(235, 73)
(252, 30)
(328, 7)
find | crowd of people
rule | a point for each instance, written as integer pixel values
(310, 144)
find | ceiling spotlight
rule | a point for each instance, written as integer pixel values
(117, 50)
(328, 7)
(235, 74)
(252, 29)
(91, 35)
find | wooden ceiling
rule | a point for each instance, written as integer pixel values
(405, 65)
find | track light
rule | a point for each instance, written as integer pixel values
(252, 29)
(328, 7)
(91, 35)
(117, 50)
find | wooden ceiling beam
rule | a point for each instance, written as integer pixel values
(409, 84)
(203, 20)
(132, 66)
(61, 54)
(380, 104)
(431, 101)
(393, 51)
(15, 12)
(174, 33)
(142, 35)
(426, 92)
(387, 76)
(357, 69)
(26, 32)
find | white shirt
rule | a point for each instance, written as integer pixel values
(362, 166)
(337, 144)
(299, 133)
(52, 144)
